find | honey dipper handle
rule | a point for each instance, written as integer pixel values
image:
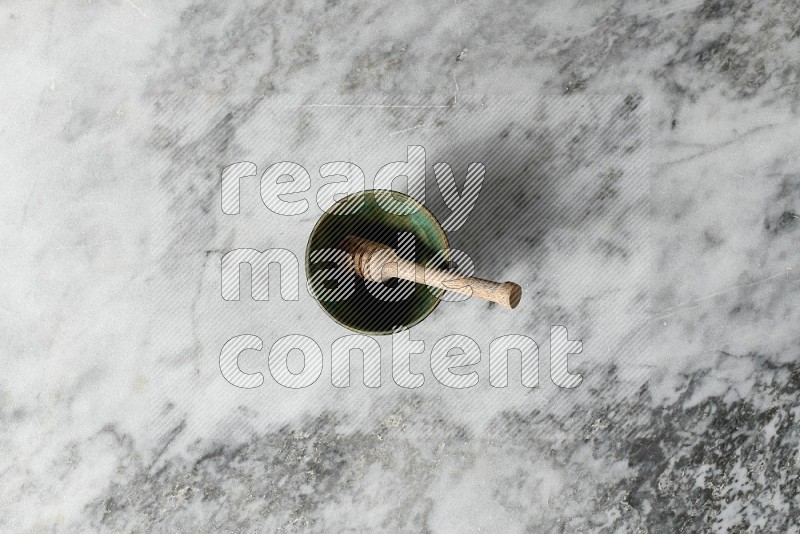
(378, 262)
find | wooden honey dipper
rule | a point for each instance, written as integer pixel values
(378, 263)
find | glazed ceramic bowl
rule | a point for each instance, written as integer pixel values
(365, 214)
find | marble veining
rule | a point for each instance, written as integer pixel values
(682, 274)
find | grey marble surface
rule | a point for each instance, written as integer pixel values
(642, 184)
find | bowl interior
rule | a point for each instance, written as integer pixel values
(362, 215)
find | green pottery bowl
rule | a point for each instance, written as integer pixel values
(363, 215)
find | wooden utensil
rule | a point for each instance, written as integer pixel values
(378, 263)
